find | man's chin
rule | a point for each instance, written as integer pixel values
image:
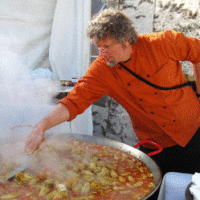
(111, 64)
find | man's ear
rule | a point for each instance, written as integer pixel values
(126, 44)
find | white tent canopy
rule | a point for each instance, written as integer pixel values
(69, 46)
(35, 29)
(25, 29)
(30, 31)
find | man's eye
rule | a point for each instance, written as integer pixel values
(106, 46)
(103, 47)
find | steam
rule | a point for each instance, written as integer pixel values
(20, 84)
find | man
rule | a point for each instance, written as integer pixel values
(170, 118)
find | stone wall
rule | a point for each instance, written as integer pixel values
(112, 121)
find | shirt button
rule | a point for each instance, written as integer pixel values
(129, 84)
(174, 120)
(155, 93)
(152, 112)
(164, 107)
(163, 125)
(141, 99)
(148, 75)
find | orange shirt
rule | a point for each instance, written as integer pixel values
(166, 117)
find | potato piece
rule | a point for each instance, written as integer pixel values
(88, 178)
(122, 179)
(83, 198)
(143, 176)
(141, 169)
(44, 191)
(10, 196)
(113, 174)
(95, 159)
(138, 184)
(125, 173)
(106, 181)
(138, 163)
(94, 185)
(113, 167)
(151, 185)
(51, 194)
(20, 176)
(27, 177)
(130, 178)
(150, 175)
(29, 194)
(34, 181)
(100, 164)
(104, 171)
(49, 182)
(130, 185)
(87, 172)
(125, 192)
(118, 188)
(92, 166)
(60, 194)
(97, 170)
(85, 188)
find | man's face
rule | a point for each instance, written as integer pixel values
(114, 52)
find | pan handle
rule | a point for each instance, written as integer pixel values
(150, 142)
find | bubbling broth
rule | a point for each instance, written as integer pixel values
(81, 170)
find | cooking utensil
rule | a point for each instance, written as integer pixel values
(11, 174)
(150, 163)
(12, 147)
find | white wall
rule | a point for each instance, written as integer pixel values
(25, 28)
(69, 45)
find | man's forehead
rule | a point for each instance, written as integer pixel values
(107, 40)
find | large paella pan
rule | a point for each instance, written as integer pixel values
(71, 166)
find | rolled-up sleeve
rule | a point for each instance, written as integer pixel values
(89, 89)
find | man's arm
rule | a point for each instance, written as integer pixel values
(197, 76)
(58, 115)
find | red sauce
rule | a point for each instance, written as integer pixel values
(124, 176)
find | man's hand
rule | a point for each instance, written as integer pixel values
(33, 141)
(58, 115)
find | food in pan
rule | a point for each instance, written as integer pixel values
(78, 170)
(7, 167)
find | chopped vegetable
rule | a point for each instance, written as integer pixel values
(88, 171)
(10, 196)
